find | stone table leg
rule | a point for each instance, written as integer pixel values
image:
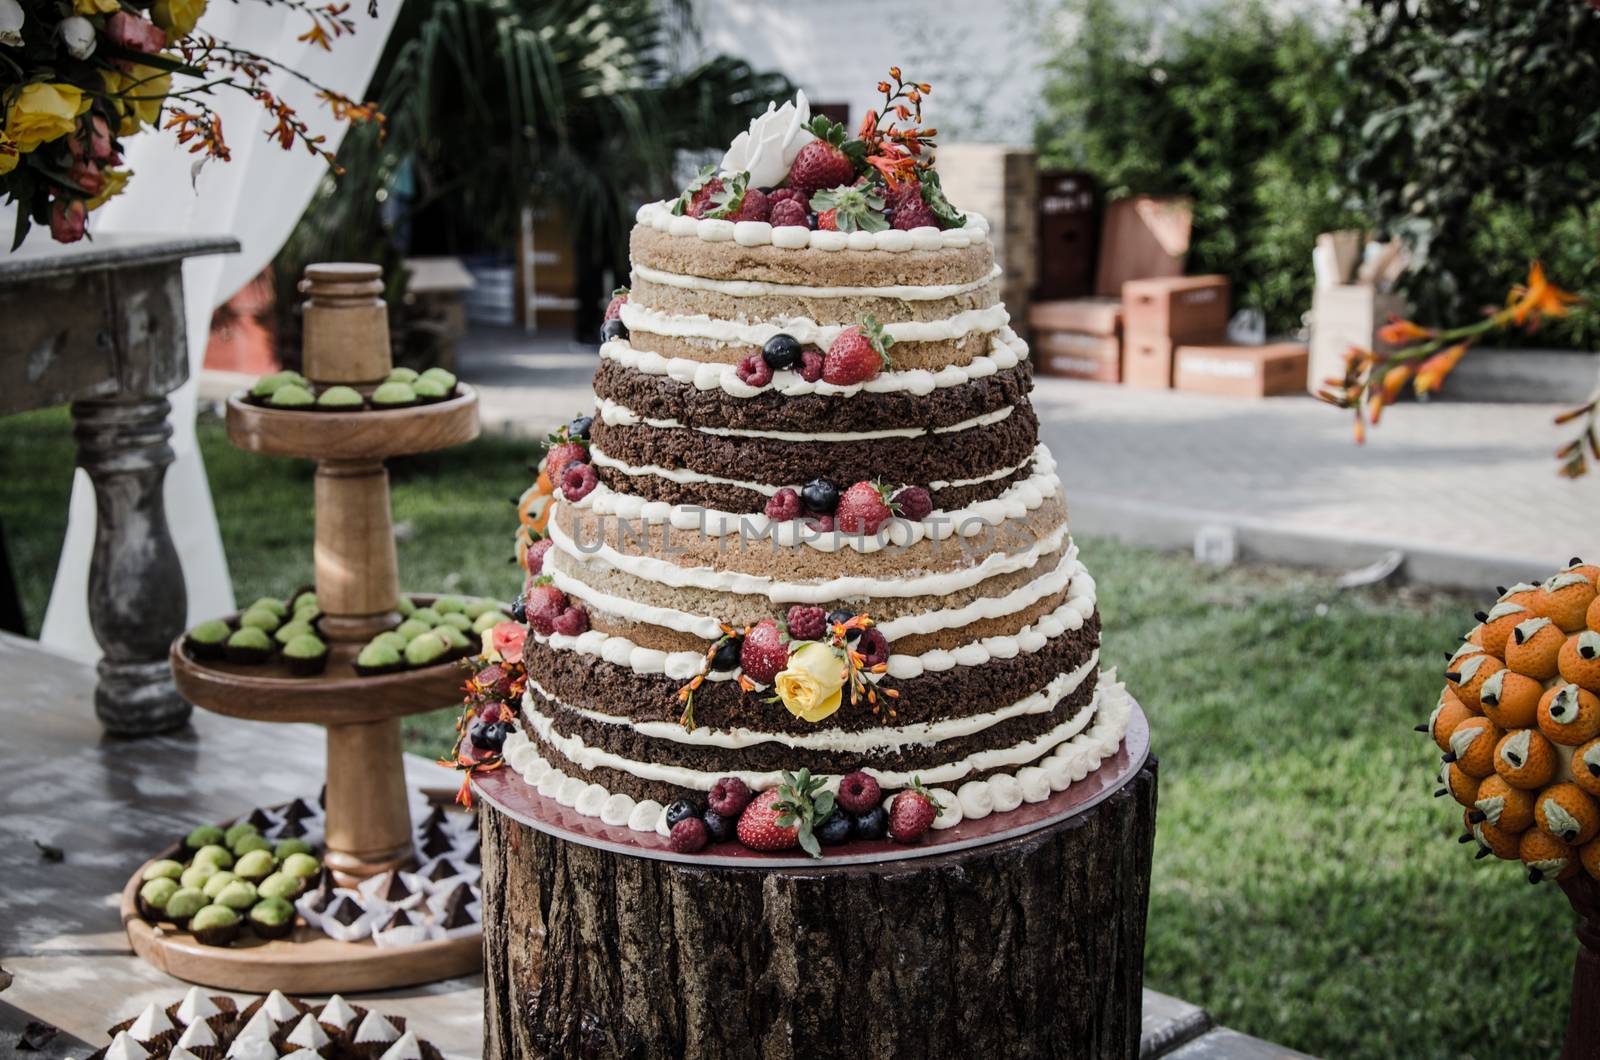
(137, 601)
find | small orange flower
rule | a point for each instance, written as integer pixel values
(1538, 298)
(1400, 332)
(1375, 405)
(1431, 374)
(1394, 380)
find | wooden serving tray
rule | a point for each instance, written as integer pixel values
(371, 434)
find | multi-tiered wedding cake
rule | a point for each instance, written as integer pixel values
(809, 524)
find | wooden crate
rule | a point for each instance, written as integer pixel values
(1345, 316)
(1242, 371)
(1078, 355)
(1142, 237)
(1092, 316)
(1180, 308)
(1147, 362)
(1002, 184)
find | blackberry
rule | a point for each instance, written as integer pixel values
(519, 610)
(612, 330)
(874, 824)
(820, 496)
(681, 809)
(835, 830)
(780, 352)
(720, 828)
(579, 427)
(727, 656)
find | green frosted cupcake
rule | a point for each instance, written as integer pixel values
(255, 864)
(488, 620)
(218, 857)
(205, 835)
(340, 399)
(237, 831)
(165, 868)
(214, 925)
(269, 385)
(478, 606)
(440, 376)
(301, 865)
(153, 895)
(411, 629)
(291, 629)
(238, 895)
(402, 375)
(379, 658)
(391, 638)
(459, 643)
(455, 620)
(270, 603)
(260, 618)
(280, 885)
(305, 655)
(249, 646)
(185, 903)
(427, 649)
(428, 616)
(293, 845)
(394, 396)
(405, 606)
(292, 396)
(429, 391)
(449, 605)
(218, 881)
(198, 874)
(251, 842)
(206, 641)
(272, 918)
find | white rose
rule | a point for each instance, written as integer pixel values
(11, 23)
(77, 33)
(767, 149)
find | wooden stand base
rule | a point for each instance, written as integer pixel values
(1029, 947)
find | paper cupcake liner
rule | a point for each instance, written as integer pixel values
(409, 935)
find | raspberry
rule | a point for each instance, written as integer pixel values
(764, 653)
(729, 796)
(874, 648)
(688, 836)
(535, 555)
(619, 297)
(779, 195)
(811, 364)
(754, 371)
(572, 621)
(545, 604)
(783, 506)
(753, 207)
(578, 481)
(911, 212)
(859, 792)
(913, 503)
(788, 213)
(822, 524)
(807, 623)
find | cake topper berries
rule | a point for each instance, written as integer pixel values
(857, 354)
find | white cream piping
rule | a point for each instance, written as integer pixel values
(659, 215)
(805, 330)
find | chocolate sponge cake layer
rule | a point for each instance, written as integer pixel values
(663, 398)
(978, 452)
(591, 683)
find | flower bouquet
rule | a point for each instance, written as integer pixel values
(77, 76)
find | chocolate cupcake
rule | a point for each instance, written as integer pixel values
(215, 925)
(305, 655)
(248, 646)
(377, 658)
(340, 399)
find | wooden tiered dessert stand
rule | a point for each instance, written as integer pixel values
(368, 827)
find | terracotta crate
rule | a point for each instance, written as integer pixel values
(1242, 371)
(1077, 355)
(1147, 362)
(1090, 316)
(1179, 308)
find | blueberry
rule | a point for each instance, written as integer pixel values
(841, 615)
(490, 737)
(780, 352)
(720, 828)
(679, 810)
(612, 330)
(835, 830)
(820, 496)
(874, 824)
(811, 220)
(727, 656)
(519, 610)
(579, 427)
(888, 215)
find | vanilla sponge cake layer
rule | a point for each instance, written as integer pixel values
(770, 264)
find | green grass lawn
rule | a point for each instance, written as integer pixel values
(1306, 889)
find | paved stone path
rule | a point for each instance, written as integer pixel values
(1468, 493)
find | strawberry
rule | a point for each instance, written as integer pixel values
(619, 297)
(758, 824)
(858, 354)
(788, 214)
(545, 604)
(764, 652)
(562, 453)
(732, 199)
(850, 209)
(912, 812)
(533, 559)
(863, 508)
(574, 620)
(703, 201)
(825, 161)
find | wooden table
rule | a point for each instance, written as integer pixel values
(101, 325)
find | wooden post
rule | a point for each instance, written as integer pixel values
(1029, 947)
(369, 824)
(346, 324)
(358, 578)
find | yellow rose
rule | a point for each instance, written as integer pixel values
(813, 682)
(177, 17)
(9, 156)
(95, 7)
(44, 112)
(116, 180)
(138, 95)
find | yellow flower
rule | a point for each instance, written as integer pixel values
(95, 7)
(9, 156)
(177, 17)
(138, 95)
(44, 112)
(812, 684)
(116, 180)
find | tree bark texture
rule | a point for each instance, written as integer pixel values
(1031, 947)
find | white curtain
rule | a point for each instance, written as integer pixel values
(256, 197)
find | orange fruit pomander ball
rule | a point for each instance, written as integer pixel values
(1547, 857)
(1579, 660)
(1497, 623)
(1460, 786)
(1590, 571)
(1498, 803)
(1568, 813)
(1535, 647)
(1528, 595)
(1586, 766)
(1510, 699)
(1473, 745)
(1494, 840)
(1468, 675)
(1446, 716)
(1569, 715)
(1525, 758)
(1567, 599)
(1591, 617)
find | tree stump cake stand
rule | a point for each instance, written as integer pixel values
(1019, 935)
(368, 827)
